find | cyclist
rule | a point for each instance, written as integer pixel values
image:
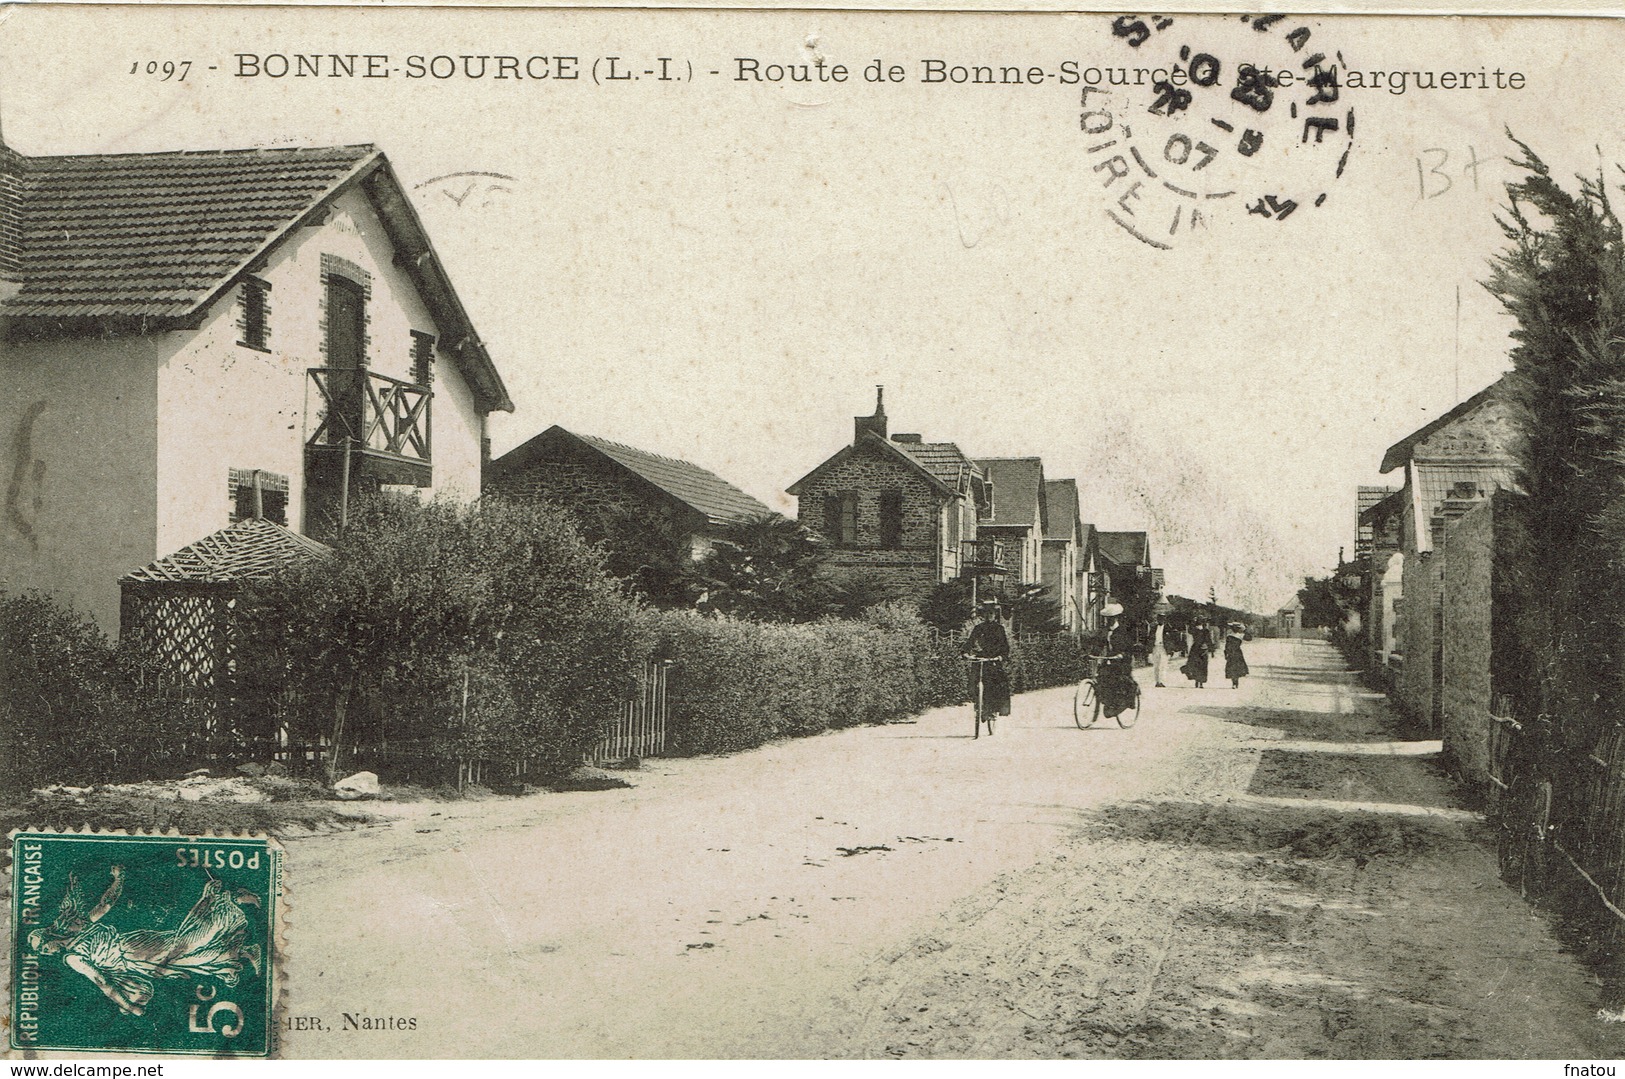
(1115, 680)
(989, 641)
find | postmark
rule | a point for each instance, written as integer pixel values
(1207, 117)
(144, 943)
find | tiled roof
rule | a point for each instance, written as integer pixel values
(1440, 482)
(250, 549)
(944, 460)
(153, 235)
(1125, 548)
(1062, 496)
(149, 239)
(1018, 489)
(705, 491)
(1369, 496)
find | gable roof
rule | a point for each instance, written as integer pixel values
(702, 491)
(1401, 451)
(1126, 548)
(1062, 496)
(147, 241)
(944, 460)
(873, 441)
(251, 549)
(1018, 491)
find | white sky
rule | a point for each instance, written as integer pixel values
(723, 272)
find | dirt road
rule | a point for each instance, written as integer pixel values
(1259, 872)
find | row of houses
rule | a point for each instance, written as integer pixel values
(914, 515)
(1427, 553)
(208, 356)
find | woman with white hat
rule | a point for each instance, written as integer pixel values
(1116, 678)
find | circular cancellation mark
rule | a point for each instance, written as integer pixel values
(1211, 115)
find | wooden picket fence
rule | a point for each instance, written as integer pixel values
(639, 727)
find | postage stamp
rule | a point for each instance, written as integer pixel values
(144, 943)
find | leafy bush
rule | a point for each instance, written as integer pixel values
(737, 684)
(438, 634)
(76, 709)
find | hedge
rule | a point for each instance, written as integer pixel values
(738, 684)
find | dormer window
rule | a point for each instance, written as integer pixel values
(422, 358)
(253, 319)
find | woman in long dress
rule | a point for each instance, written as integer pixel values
(1195, 667)
(125, 965)
(1235, 664)
(1115, 682)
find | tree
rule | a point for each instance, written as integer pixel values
(768, 568)
(1562, 279)
(1328, 602)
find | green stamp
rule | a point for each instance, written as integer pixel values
(144, 943)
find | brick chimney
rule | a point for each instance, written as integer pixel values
(862, 425)
(11, 212)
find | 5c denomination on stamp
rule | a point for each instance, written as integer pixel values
(144, 943)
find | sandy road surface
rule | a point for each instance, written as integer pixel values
(1203, 885)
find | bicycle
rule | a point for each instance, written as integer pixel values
(981, 712)
(1086, 700)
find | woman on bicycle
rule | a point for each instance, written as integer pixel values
(1116, 679)
(988, 641)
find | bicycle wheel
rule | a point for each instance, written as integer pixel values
(976, 708)
(1084, 712)
(1130, 716)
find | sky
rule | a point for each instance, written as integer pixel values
(723, 270)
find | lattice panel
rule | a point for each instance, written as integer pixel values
(185, 630)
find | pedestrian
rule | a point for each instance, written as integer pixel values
(1235, 664)
(1195, 667)
(1115, 680)
(988, 641)
(1159, 650)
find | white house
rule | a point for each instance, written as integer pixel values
(184, 335)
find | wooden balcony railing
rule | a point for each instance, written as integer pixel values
(981, 556)
(382, 415)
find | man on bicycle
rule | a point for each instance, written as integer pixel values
(988, 641)
(1115, 681)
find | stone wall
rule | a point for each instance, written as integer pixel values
(1468, 578)
(916, 566)
(1422, 581)
(590, 488)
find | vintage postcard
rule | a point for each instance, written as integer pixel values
(811, 534)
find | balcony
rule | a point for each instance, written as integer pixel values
(981, 556)
(381, 423)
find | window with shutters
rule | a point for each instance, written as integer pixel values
(841, 518)
(253, 319)
(891, 519)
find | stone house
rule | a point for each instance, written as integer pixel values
(1126, 558)
(1019, 520)
(594, 477)
(896, 508)
(1450, 467)
(191, 334)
